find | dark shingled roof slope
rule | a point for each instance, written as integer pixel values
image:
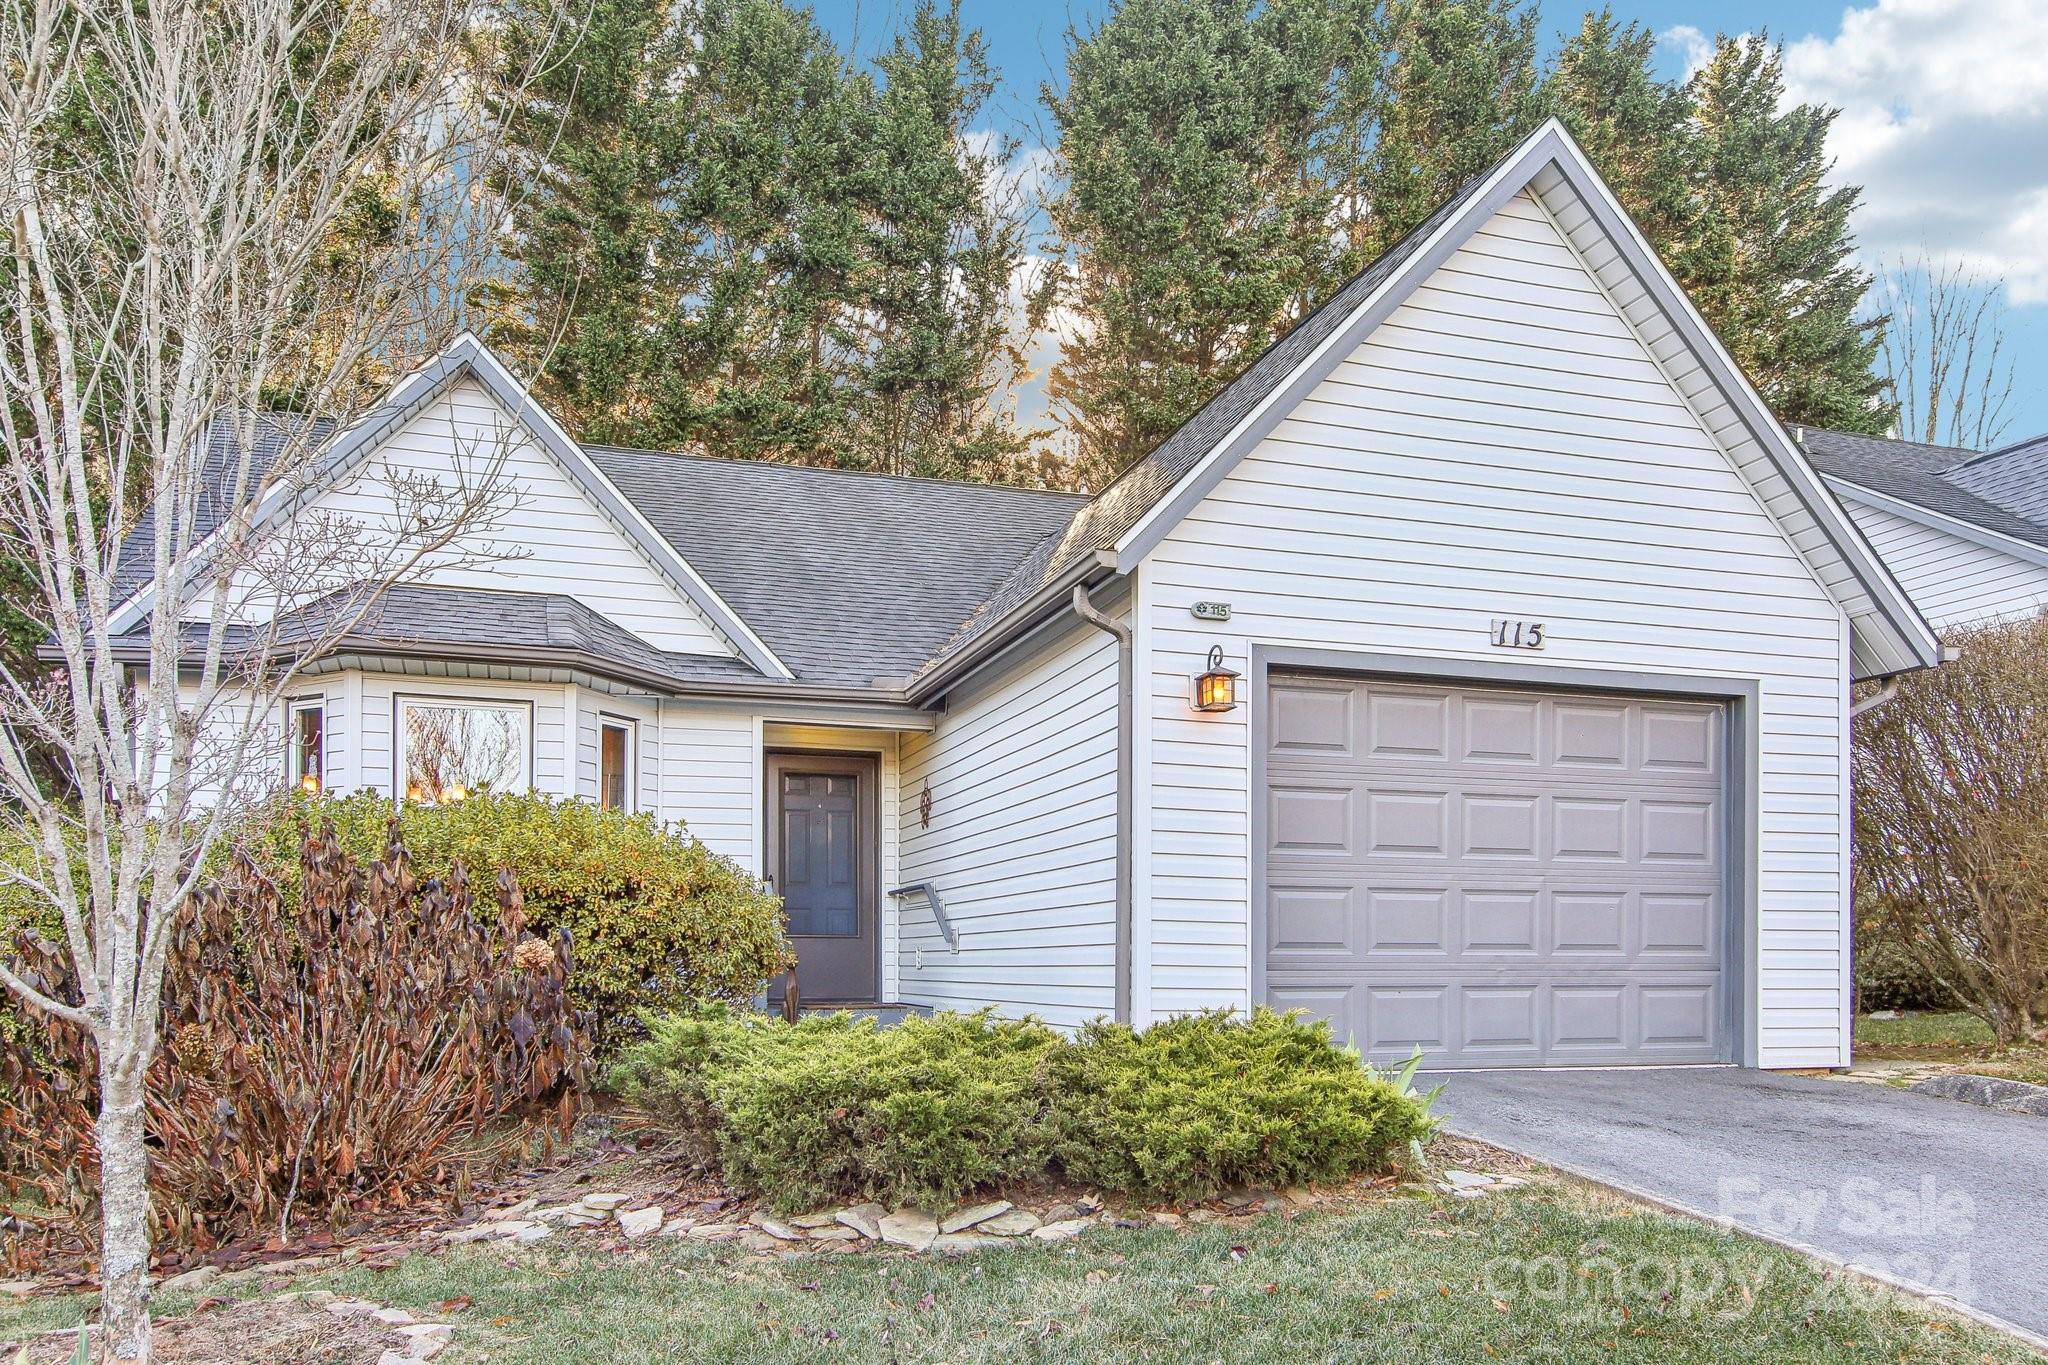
(1915, 473)
(273, 431)
(540, 628)
(1126, 500)
(849, 577)
(2015, 477)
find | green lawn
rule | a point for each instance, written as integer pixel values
(1552, 1272)
(1949, 1036)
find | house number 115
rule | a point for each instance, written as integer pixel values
(1516, 634)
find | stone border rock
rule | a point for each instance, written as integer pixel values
(1989, 1092)
(865, 1227)
(418, 1340)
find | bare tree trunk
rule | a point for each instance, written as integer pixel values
(124, 1214)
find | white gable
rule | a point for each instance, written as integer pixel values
(1502, 444)
(545, 535)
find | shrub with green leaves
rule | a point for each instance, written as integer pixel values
(1205, 1102)
(835, 1108)
(657, 918)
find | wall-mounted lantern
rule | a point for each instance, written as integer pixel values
(1215, 685)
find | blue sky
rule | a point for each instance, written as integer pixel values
(1945, 119)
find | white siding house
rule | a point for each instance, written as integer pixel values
(1558, 478)
(1954, 580)
(1021, 843)
(1543, 628)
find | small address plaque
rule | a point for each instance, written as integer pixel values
(1515, 634)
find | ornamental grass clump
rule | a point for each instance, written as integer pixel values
(372, 1041)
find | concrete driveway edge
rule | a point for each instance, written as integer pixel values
(2033, 1340)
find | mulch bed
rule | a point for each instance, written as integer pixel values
(275, 1331)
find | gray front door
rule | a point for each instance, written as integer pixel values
(822, 853)
(1500, 877)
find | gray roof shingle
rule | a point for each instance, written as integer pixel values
(849, 577)
(542, 628)
(2015, 477)
(274, 430)
(1915, 473)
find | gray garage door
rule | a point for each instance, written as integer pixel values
(1500, 877)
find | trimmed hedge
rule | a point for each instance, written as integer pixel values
(657, 919)
(835, 1108)
(1206, 1102)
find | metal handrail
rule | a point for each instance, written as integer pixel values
(938, 905)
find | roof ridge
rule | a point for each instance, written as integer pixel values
(2016, 447)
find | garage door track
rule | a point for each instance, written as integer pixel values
(1938, 1194)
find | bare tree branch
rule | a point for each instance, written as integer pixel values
(216, 222)
(1945, 352)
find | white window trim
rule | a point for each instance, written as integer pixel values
(400, 700)
(608, 721)
(293, 706)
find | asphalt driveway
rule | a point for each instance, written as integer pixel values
(1934, 1193)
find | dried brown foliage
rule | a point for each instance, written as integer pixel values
(369, 1047)
(1951, 810)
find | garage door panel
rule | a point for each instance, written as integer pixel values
(1526, 877)
(1468, 924)
(1312, 718)
(1517, 1022)
(1502, 731)
(1312, 819)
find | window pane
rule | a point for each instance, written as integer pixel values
(305, 767)
(611, 767)
(454, 750)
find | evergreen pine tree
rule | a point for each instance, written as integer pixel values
(727, 238)
(1632, 125)
(1459, 92)
(594, 136)
(1766, 251)
(1191, 226)
(945, 242)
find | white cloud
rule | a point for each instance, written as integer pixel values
(1027, 172)
(1692, 46)
(1945, 125)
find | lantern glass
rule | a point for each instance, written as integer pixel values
(1216, 686)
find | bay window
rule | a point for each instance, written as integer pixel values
(450, 748)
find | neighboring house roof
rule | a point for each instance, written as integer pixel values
(1923, 476)
(853, 578)
(2015, 477)
(468, 357)
(1129, 517)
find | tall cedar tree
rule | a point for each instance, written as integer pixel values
(1767, 253)
(946, 237)
(1457, 95)
(1171, 183)
(1634, 126)
(1191, 224)
(591, 238)
(726, 238)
